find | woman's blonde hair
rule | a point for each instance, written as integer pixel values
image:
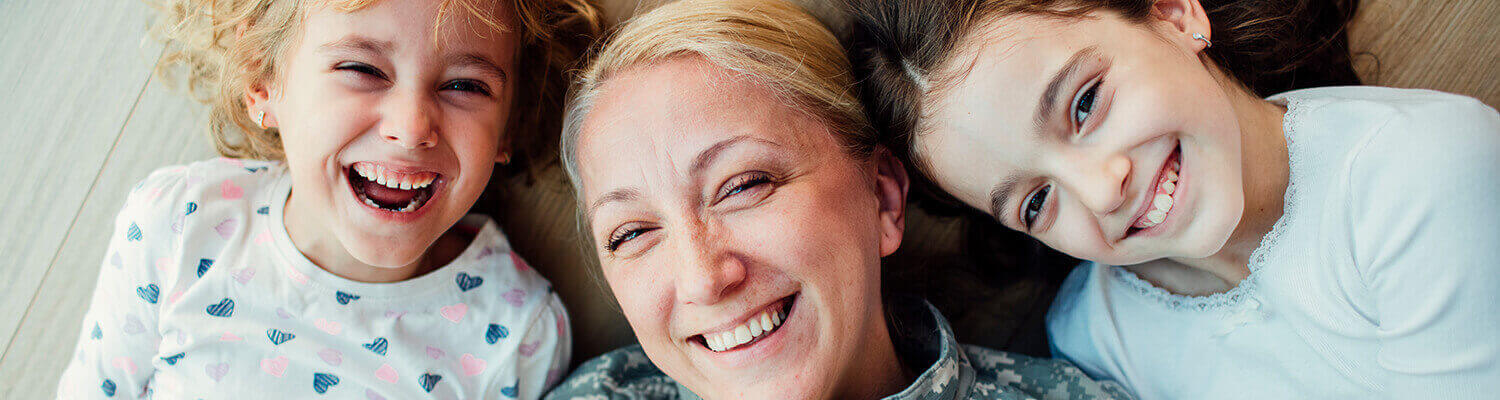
(223, 46)
(773, 42)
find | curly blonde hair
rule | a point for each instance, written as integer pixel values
(222, 46)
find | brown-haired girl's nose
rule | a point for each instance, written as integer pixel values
(1103, 189)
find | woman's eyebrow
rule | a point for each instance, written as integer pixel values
(1049, 96)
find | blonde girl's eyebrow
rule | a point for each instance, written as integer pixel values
(1048, 101)
(482, 63)
(357, 44)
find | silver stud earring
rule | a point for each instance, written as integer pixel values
(260, 118)
(1206, 43)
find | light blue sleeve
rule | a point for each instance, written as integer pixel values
(1425, 212)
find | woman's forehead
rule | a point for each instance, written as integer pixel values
(668, 112)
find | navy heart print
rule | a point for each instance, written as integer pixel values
(278, 337)
(225, 308)
(466, 282)
(378, 346)
(204, 265)
(322, 381)
(495, 333)
(429, 381)
(148, 293)
(345, 298)
(172, 359)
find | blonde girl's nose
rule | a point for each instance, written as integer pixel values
(411, 124)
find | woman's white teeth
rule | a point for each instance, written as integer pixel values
(1162, 203)
(757, 326)
(393, 179)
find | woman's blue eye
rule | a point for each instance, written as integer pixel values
(1034, 206)
(622, 237)
(1085, 104)
(743, 183)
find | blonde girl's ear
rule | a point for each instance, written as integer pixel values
(258, 105)
(1184, 21)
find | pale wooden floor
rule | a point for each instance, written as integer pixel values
(82, 119)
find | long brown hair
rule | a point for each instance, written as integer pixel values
(1270, 46)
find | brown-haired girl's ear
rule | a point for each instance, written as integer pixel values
(1183, 18)
(891, 186)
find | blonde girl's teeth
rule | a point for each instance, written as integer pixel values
(765, 321)
(754, 325)
(1168, 187)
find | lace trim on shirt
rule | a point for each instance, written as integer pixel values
(1233, 297)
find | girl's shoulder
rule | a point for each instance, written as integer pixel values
(1360, 112)
(219, 180)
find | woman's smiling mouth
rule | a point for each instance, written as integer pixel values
(755, 328)
(388, 189)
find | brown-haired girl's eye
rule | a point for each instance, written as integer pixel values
(1034, 205)
(1083, 105)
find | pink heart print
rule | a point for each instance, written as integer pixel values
(226, 228)
(230, 191)
(435, 353)
(472, 365)
(274, 366)
(216, 371)
(331, 356)
(229, 337)
(244, 276)
(124, 364)
(332, 327)
(454, 313)
(386, 373)
(516, 297)
(529, 349)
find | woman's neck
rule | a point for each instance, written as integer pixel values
(312, 237)
(877, 371)
(1265, 170)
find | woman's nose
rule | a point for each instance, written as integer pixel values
(708, 272)
(409, 122)
(1100, 185)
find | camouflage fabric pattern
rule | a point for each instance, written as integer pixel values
(958, 372)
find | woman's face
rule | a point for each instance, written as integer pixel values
(1108, 140)
(741, 241)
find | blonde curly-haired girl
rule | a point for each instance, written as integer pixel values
(329, 251)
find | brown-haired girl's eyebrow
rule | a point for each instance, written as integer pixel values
(1048, 101)
(1000, 197)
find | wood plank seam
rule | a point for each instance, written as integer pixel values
(51, 264)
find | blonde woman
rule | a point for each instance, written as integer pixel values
(739, 209)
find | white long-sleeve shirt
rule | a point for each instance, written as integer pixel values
(203, 295)
(1380, 280)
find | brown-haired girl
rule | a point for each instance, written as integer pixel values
(1334, 242)
(329, 253)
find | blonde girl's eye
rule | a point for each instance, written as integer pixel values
(1033, 206)
(468, 85)
(1083, 104)
(361, 68)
